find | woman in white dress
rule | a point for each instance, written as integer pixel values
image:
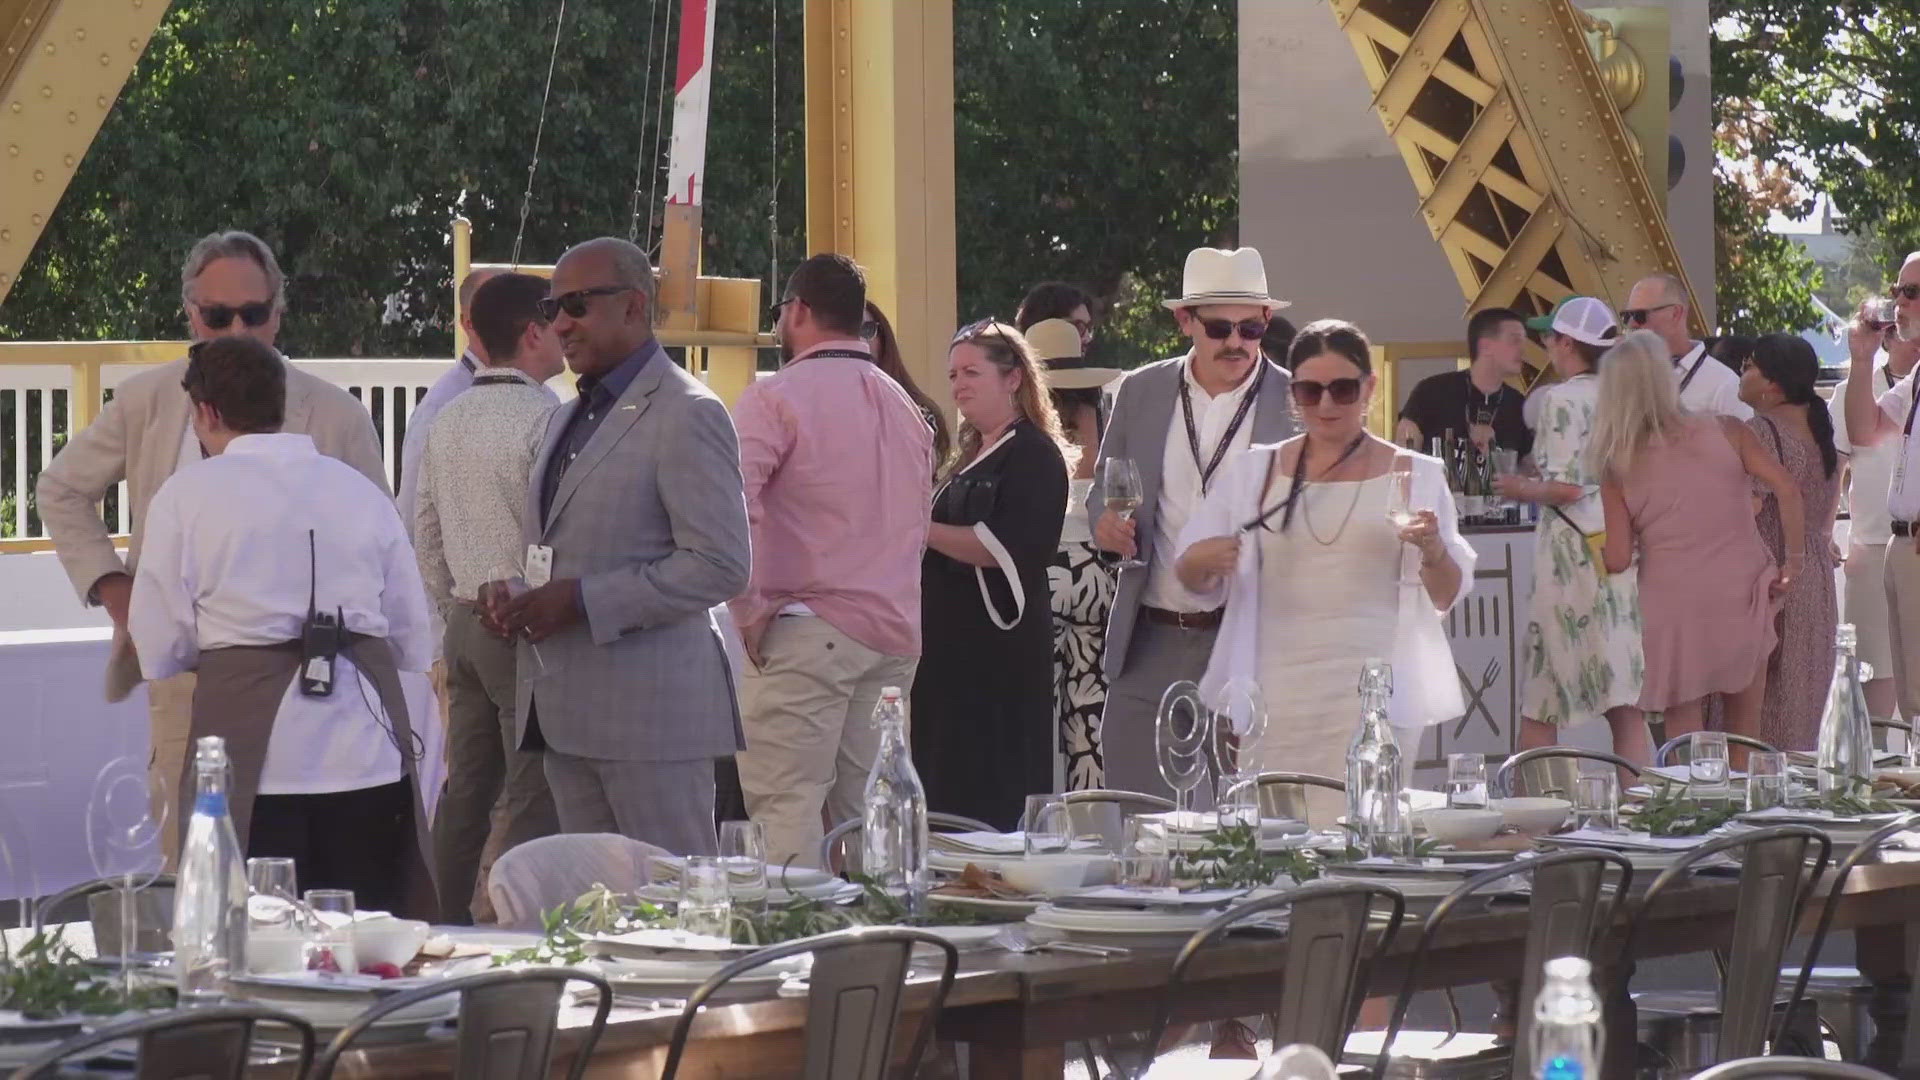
(1317, 579)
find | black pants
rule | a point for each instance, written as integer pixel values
(341, 840)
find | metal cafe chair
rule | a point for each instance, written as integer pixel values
(206, 1043)
(1868, 846)
(835, 840)
(1773, 887)
(1679, 750)
(854, 992)
(505, 1026)
(1551, 770)
(1284, 794)
(1564, 919)
(1327, 961)
(1754, 1068)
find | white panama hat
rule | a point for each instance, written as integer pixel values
(1219, 276)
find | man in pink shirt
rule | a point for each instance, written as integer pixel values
(838, 464)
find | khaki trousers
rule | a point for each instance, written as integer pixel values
(808, 718)
(170, 714)
(1903, 622)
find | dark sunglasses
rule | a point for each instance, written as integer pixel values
(220, 316)
(575, 303)
(1222, 329)
(1909, 291)
(1306, 393)
(1638, 316)
(773, 311)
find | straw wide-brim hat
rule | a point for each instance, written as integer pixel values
(1217, 276)
(1057, 343)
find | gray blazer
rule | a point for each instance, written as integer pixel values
(651, 519)
(1142, 415)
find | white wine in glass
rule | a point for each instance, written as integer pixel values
(1400, 508)
(1120, 481)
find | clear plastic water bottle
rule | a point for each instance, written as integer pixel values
(1845, 748)
(1375, 772)
(1566, 1022)
(893, 838)
(210, 905)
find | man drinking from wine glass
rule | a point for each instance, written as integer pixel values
(1176, 421)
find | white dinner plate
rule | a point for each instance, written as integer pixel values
(1412, 886)
(1115, 922)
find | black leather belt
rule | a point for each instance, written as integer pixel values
(1903, 528)
(1185, 620)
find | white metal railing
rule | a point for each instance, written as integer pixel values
(42, 407)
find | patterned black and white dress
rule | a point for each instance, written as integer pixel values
(1082, 588)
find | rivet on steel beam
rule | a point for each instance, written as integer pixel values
(47, 48)
(68, 160)
(105, 60)
(16, 106)
(79, 33)
(39, 175)
(133, 44)
(39, 219)
(6, 236)
(73, 117)
(102, 101)
(46, 91)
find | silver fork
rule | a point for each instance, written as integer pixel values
(1017, 939)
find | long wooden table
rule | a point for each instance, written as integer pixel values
(1017, 1012)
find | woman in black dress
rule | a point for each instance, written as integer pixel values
(983, 710)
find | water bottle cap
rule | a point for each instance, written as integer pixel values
(211, 749)
(1569, 967)
(890, 693)
(1846, 636)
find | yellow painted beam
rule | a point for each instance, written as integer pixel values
(879, 77)
(62, 64)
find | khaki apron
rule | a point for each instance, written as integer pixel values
(240, 684)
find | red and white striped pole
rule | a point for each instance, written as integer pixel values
(687, 165)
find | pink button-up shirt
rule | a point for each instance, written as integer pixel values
(838, 463)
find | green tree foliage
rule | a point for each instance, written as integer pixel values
(1819, 95)
(1763, 282)
(1096, 142)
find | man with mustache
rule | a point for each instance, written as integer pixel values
(1178, 421)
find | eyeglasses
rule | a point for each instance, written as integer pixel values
(575, 303)
(1638, 316)
(1306, 393)
(221, 316)
(773, 311)
(1222, 329)
(1909, 291)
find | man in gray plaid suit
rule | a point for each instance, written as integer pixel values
(636, 503)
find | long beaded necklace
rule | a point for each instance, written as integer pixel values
(1306, 513)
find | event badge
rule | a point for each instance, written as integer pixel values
(539, 565)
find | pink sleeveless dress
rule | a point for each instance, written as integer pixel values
(1706, 623)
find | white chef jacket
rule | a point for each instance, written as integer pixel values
(225, 563)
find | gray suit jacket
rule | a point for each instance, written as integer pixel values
(1143, 413)
(651, 519)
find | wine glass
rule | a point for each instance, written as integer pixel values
(508, 580)
(1120, 483)
(1400, 504)
(1180, 733)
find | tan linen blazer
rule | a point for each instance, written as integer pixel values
(137, 438)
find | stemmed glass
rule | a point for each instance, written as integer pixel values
(507, 578)
(1120, 484)
(1180, 733)
(1402, 507)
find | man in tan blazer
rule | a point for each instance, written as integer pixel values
(231, 284)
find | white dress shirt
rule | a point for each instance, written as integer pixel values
(1871, 468)
(1715, 389)
(419, 422)
(474, 473)
(1903, 490)
(226, 563)
(1180, 492)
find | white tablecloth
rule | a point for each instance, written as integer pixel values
(59, 731)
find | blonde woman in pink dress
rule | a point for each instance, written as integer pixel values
(1678, 502)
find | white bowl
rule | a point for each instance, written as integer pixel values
(1534, 815)
(388, 941)
(1464, 824)
(1043, 875)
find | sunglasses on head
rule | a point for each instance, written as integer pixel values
(1639, 316)
(221, 316)
(575, 303)
(1222, 329)
(1909, 291)
(1307, 393)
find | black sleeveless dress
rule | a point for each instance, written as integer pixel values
(983, 712)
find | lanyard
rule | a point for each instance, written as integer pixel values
(1692, 371)
(841, 354)
(1299, 485)
(1233, 426)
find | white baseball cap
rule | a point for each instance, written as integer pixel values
(1581, 318)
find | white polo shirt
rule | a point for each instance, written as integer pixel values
(1903, 491)
(1714, 389)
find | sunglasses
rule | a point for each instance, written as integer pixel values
(1307, 393)
(1909, 291)
(575, 303)
(773, 313)
(220, 316)
(1222, 329)
(1638, 316)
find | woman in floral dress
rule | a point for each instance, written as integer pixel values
(1581, 655)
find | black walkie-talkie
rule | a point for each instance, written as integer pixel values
(319, 637)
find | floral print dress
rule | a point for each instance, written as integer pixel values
(1581, 654)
